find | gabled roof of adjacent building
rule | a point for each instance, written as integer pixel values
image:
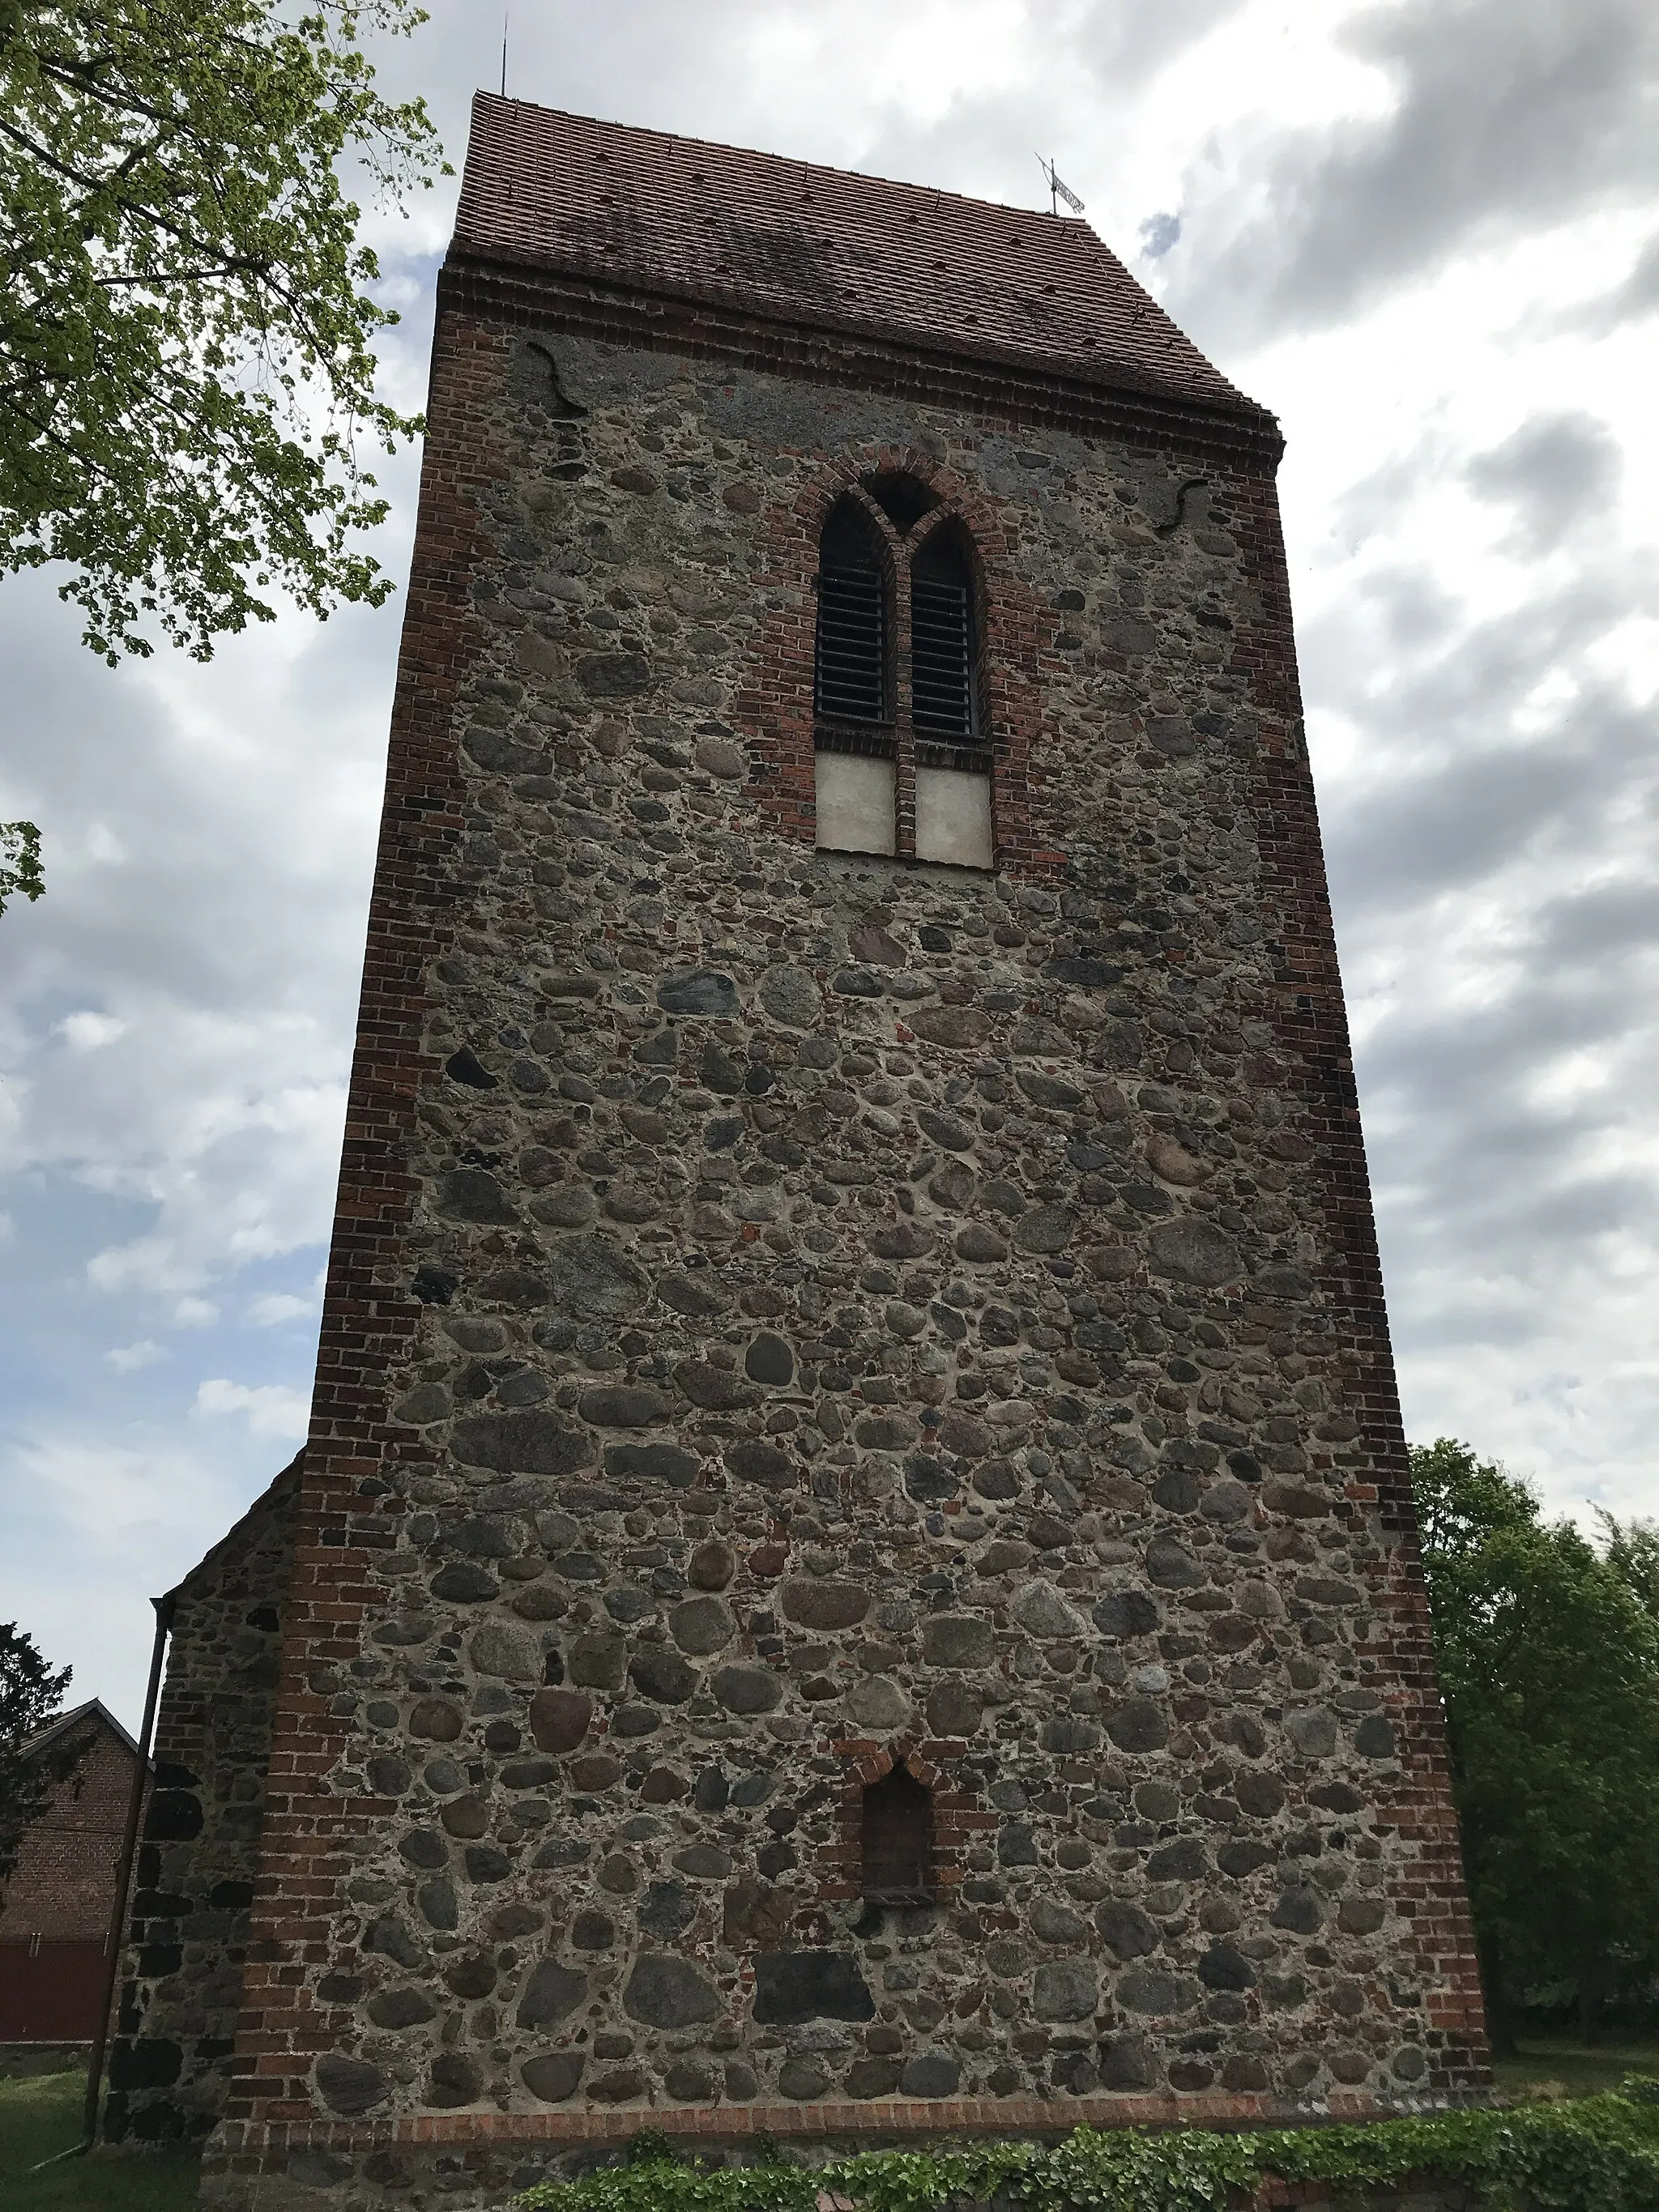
(821, 248)
(94, 1710)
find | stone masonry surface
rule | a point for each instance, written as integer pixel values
(198, 1852)
(792, 1312)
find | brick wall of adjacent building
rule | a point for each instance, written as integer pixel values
(788, 1310)
(198, 1862)
(62, 1889)
(55, 1911)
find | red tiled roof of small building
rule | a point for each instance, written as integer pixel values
(823, 247)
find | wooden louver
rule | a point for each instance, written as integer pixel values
(941, 659)
(850, 670)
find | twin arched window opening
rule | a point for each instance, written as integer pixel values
(902, 766)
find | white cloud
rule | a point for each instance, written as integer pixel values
(270, 1409)
(128, 1358)
(1422, 235)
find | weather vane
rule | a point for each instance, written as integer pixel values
(1058, 191)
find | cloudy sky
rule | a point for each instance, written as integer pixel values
(1426, 233)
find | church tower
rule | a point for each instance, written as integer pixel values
(854, 1575)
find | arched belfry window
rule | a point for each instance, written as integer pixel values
(851, 674)
(896, 1840)
(903, 757)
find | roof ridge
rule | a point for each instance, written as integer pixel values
(662, 216)
(61, 1723)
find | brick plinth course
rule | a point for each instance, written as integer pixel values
(792, 1312)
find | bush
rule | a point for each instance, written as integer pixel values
(1600, 2154)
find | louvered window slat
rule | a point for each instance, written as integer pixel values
(941, 659)
(851, 682)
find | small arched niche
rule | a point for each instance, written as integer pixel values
(896, 1854)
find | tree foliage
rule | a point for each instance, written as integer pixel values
(20, 862)
(1548, 1656)
(30, 1696)
(186, 337)
(1599, 2155)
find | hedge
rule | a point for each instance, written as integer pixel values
(1596, 2154)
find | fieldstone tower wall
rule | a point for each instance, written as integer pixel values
(794, 1314)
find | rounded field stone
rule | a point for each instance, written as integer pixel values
(1065, 1989)
(954, 1709)
(876, 1701)
(404, 2007)
(618, 1407)
(666, 1991)
(666, 1463)
(1361, 1916)
(1127, 1931)
(794, 1987)
(979, 1245)
(1221, 1967)
(1057, 1923)
(930, 2074)
(1040, 1611)
(692, 2081)
(435, 1719)
(1146, 1989)
(559, 1719)
(1313, 1731)
(471, 1974)
(711, 1566)
(1193, 1251)
(824, 1605)
(1045, 1229)
(662, 1676)
(747, 1689)
(463, 1581)
(769, 1359)
(554, 2078)
(1301, 1909)
(551, 1994)
(668, 1911)
(770, 1465)
(790, 996)
(956, 1639)
(1260, 1795)
(702, 1624)
(803, 2078)
(512, 1653)
(529, 1443)
(698, 991)
(1172, 1565)
(350, 2085)
(1138, 1725)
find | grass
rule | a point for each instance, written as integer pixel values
(1579, 2071)
(41, 2114)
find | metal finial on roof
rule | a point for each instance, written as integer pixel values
(1057, 190)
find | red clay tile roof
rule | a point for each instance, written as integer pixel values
(823, 247)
